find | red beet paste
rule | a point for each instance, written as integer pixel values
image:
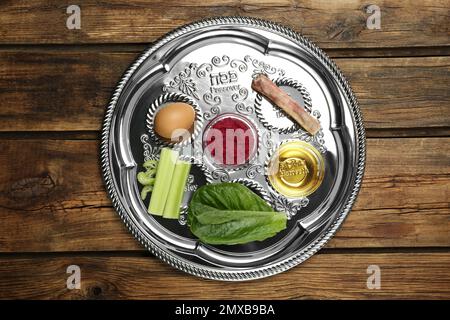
(230, 141)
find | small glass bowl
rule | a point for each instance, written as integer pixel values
(239, 156)
(296, 169)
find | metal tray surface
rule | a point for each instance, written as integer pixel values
(210, 64)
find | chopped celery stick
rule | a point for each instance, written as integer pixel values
(145, 191)
(150, 164)
(179, 178)
(163, 179)
(146, 178)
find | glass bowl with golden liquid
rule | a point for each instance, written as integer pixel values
(296, 169)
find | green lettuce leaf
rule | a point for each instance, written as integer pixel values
(230, 213)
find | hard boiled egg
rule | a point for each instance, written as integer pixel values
(172, 117)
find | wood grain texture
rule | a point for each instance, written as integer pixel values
(401, 92)
(339, 276)
(403, 23)
(52, 198)
(68, 90)
(54, 211)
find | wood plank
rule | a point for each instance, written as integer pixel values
(68, 90)
(403, 276)
(403, 23)
(52, 198)
(401, 92)
(55, 189)
(380, 52)
(53, 91)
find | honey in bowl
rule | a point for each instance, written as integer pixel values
(296, 169)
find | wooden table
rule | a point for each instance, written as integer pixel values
(54, 211)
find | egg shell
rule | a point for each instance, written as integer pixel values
(173, 116)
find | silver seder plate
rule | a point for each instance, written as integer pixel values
(210, 64)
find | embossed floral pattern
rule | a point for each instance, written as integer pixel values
(184, 82)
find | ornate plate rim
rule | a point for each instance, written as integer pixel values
(212, 272)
